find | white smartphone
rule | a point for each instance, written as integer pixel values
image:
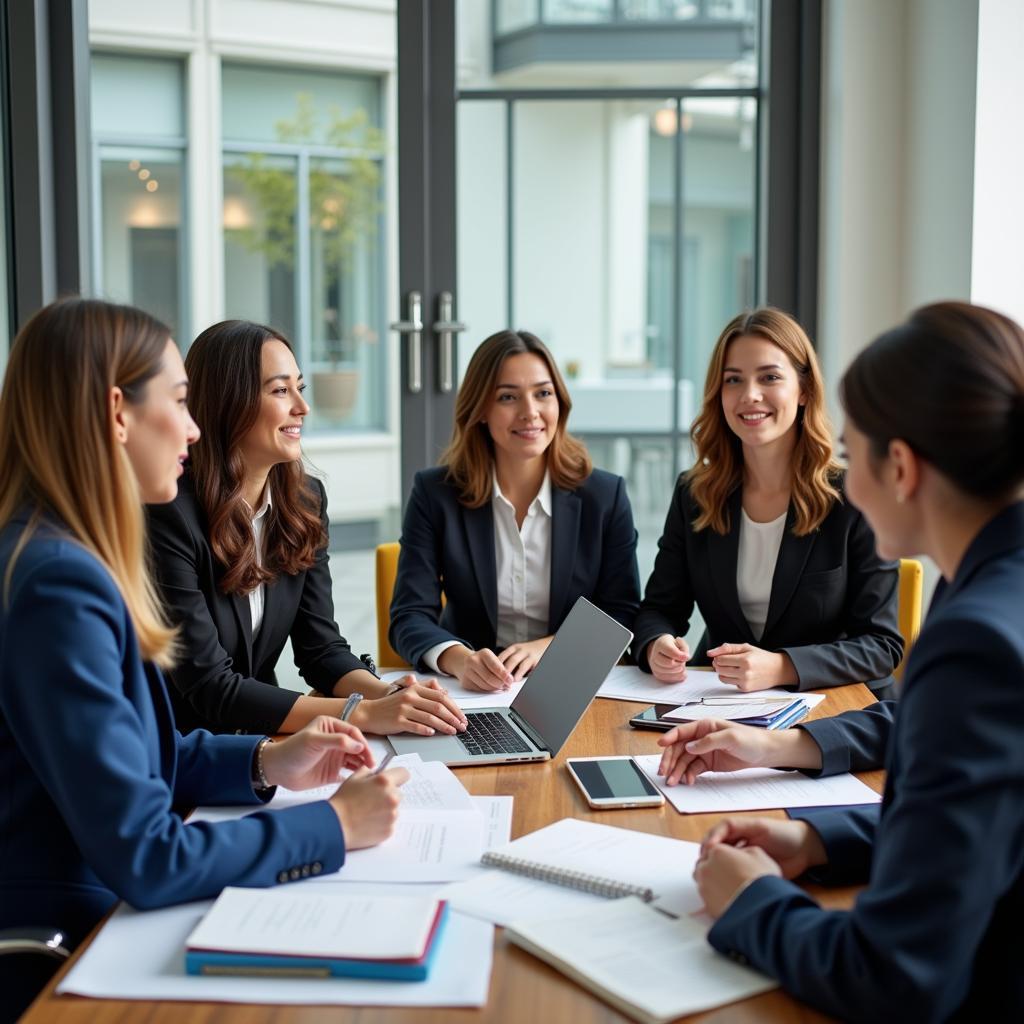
(609, 782)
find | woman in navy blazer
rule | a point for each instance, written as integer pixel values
(938, 469)
(91, 762)
(512, 528)
(241, 560)
(760, 537)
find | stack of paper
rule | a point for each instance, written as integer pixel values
(627, 682)
(298, 932)
(440, 836)
(757, 789)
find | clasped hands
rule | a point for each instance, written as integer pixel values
(487, 671)
(744, 666)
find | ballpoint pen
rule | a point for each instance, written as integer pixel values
(724, 701)
(384, 762)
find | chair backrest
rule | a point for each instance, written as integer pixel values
(911, 599)
(387, 569)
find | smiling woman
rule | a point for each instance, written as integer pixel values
(241, 559)
(760, 537)
(516, 516)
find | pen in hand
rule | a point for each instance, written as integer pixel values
(384, 762)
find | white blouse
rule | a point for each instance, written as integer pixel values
(256, 597)
(755, 567)
(522, 557)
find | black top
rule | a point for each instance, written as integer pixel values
(445, 544)
(833, 605)
(224, 681)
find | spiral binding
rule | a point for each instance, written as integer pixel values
(563, 876)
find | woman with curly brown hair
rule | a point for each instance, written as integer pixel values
(241, 560)
(760, 537)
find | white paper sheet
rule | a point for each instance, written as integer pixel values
(732, 710)
(758, 789)
(299, 921)
(664, 967)
(502, 897)
(627, 682)
(142, 956)
(463, 697)
(619, 854)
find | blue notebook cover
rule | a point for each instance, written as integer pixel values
(780, 719)
(207, 962)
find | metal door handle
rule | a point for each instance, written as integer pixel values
(413, 329)
(446, 328)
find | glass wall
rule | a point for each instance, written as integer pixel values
(303, 246)
(138, 126)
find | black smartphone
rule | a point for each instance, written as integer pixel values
(653, 718)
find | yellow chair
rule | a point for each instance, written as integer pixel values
(911, 599)
(387, 569)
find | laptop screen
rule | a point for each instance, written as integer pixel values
(576, 663)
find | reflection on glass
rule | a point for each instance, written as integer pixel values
(140, 229)
(568, 12)
(302, 221)
(344, 210)
(260, 204)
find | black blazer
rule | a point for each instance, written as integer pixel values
(936, 935)
(223, 680)
(833, 600)
(446, 545)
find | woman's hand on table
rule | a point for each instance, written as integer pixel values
(315, 754)
(667, 656)
(716, 745)
(476, 670)
(737, 851)
(521, 659)
(423, 708)
(749, 668)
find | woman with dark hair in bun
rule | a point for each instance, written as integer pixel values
(935, 440)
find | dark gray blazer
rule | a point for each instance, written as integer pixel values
(224, 681)
(833, 600)
(445, 544)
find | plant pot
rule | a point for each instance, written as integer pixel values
(335, 393)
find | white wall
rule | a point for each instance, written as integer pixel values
(998, 264)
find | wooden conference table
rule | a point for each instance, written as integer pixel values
(523, 989)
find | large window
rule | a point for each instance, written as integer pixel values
(303, 246)
(138, 125)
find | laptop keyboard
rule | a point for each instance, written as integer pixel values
(487, 732)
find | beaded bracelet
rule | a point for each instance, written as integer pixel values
(259, 774)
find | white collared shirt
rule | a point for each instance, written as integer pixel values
(522, 557)
(755, 568)
(257, 596)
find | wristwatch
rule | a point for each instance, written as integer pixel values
(350, 705)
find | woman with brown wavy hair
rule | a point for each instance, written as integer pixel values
(760, 537)
(512, 527)
(241, 559)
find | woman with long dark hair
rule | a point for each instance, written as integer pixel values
(760, 538)
(512, 527)
(935, 440)
(241, 559)
(93, 422)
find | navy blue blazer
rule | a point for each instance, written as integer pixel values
(225, 680)
(936, 935)
(92, 765)
(833, 604)
(448, 546)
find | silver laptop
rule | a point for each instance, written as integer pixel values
(546, 709)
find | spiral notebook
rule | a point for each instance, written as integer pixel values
(603, 860)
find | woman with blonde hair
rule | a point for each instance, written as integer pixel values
(760, 538)
(93, 421)
(513, 527)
